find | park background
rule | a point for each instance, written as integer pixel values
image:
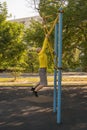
(19, 108)
(18, 42)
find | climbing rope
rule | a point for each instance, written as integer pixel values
(48, 31)
(47, 34)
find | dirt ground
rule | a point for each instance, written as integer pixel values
(21, 110)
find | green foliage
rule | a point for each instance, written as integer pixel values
(17, 47)
(12, 46)
(34, 35)
(83, 56)
(33, 38)
(48, 7)
(11, 43)
(74, 29)
(3, 11)
(31, 62)
(74, 32)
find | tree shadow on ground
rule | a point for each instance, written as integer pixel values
(20, 110)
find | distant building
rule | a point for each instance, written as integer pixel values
(27, 20)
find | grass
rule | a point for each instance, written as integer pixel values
(29, 81)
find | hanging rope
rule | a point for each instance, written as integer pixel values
(48, 31)
(47, 36)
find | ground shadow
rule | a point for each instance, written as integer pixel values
(20, 110)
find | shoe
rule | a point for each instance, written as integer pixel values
(32, 89)
(35, 93)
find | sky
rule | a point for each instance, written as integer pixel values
(19, 9)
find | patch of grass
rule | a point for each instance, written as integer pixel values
(29, 81)
(6, 80)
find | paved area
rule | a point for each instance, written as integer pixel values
(69, 74)
(21, 110)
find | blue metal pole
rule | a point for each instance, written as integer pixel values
(55, 71)
(59, 66)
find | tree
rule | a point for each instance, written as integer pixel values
(34, 35)
(74, 31)
(11, 43)
(3, 12)
(12, 47)
(74, 28)
(33, 38)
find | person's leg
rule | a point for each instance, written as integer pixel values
(38, 88)
(43, 79)
(42, 83)
(37, 85)
(33, 88)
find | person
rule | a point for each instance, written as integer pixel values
(42, 68)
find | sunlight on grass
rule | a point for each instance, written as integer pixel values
(6, 79)
(28, 81)
(36, 79)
